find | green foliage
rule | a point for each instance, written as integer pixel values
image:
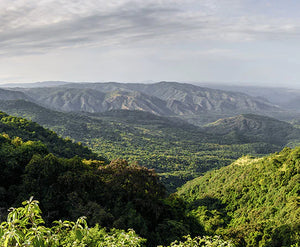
(20, 129)
(25, 227)
(253, 201)
(208, 241)
(249, 128)
(117, 195)
(178, 151)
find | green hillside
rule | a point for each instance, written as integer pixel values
(28, 130)
(114, 195)
(178, 151)
(255, 201)
(255, 128)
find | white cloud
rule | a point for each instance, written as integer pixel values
(37, 26)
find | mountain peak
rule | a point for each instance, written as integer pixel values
(162, 98)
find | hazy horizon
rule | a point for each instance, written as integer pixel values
(245, 42)
(201, 84)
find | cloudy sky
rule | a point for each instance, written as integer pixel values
(234, 41)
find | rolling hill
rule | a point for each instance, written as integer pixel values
(31, 131)
(177, 150)
(255, 128)
(89, 100)
(13, 95)
(254, 201)
(186, 99)
(113, 195)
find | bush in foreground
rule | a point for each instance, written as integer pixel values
(208, 241)
(25, 227)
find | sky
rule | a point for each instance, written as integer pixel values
(245, 42)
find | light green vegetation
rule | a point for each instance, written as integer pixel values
(253, 201)
(178, 151)
(114, 195)
(26, 227)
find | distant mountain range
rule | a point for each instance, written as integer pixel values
(286, 98)
(34, 84)
(13, 95)
(164, 98)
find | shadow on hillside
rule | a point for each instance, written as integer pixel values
(211, 212)
(285, 235)
(209, 202)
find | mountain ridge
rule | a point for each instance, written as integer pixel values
(285, 98)
(187, 101)
(182, 92)
(253, 128)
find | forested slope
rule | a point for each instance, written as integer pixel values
(255, 128)
(253, 201)
(177, 150)
(113, 195)
(28, 130)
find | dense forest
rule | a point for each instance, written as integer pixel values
(114, 195)
(30, 131)
(178, 151)
(114, 178)
(25, 227)
(254, 201)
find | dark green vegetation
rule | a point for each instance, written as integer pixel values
(177, 150)
(25, 227)
(114, 195)
(253, 128)
(254, 201)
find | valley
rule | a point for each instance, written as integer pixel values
(154, 123)
(177, 150)
(154, 157)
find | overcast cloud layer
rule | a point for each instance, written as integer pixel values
(183, 40)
